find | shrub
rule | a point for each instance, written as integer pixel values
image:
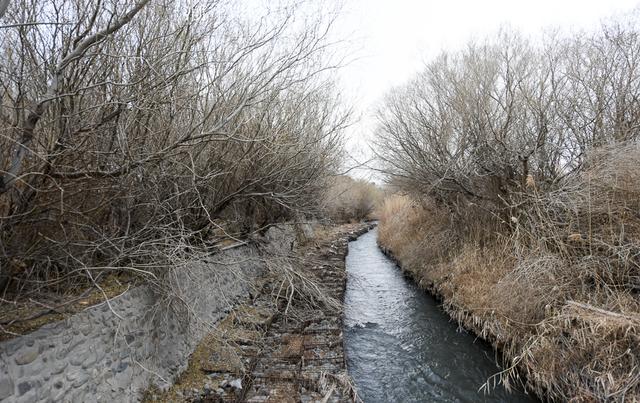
(134, 135)
(478, 127)
(559, 293)
(350, 199)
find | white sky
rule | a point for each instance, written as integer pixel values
(393, 39)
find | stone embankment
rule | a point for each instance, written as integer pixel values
(279, 350)
(112, 351)
(287, 350)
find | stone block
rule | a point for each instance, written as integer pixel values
(7, 388)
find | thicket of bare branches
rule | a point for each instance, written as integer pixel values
(522, 160)
(483, 124)
(133, 133)
(349, 199)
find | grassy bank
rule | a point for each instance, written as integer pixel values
(557, 292)
(521, 161)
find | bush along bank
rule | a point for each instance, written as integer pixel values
(565, 315)
(521, 160)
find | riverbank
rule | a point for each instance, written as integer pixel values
(562, 335)
(285, 344)
(444, 289)
(118, 348)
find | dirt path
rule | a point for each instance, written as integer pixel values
(278, 349)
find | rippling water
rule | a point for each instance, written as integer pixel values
(401, 347)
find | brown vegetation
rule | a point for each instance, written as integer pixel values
(141, 136)
(519, 166)
(348, 199)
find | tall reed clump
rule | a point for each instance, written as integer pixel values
(578, 266)
(519, 165)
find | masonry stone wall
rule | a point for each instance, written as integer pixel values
(112, 352)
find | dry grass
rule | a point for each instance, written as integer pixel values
(558, 292)
(402, 221)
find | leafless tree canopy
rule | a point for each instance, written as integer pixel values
(130, 131)
(483, 123)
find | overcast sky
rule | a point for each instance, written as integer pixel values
(393, 38)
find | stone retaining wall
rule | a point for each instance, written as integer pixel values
(111, 352)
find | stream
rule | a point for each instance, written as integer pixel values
(401, 346)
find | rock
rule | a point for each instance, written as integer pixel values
(58, 394)
(121, 366)
(27, 357)
(236, 383)
(90, 359)
(43, 392)
(59, 367)
(77, 378)
(80, 380)
(6, 388)
(66, 338)
(78, 357)
(86, 329)
(24, 387)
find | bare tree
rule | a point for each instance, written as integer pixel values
(481, 125)
(131, 134)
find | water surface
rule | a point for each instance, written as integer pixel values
(401, 347)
